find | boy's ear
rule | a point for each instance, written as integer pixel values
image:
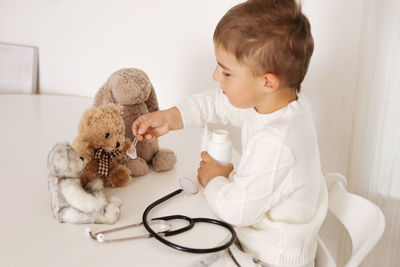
(271, 82)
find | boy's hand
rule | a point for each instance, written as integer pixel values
(152, 125)
(210, 168)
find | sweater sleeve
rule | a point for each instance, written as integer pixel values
(210, 106)
(265, 176)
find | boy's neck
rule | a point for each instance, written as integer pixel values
(276, 101)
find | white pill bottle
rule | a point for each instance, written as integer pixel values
(220, 147)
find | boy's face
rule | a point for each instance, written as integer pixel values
(237, 82)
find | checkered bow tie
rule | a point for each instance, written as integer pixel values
(104, 157)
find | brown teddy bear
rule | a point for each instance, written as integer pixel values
(131, 88)
(101, 140)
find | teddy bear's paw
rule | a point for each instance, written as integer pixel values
(111, 213)
(115, 201)
(99, 202)
(95, 185)
(138, 167)
(120, 177)
(85, 180)
(164, 160)
(108, 182)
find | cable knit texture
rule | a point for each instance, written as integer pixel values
(277, 198)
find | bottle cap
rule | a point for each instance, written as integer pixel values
(220, 136)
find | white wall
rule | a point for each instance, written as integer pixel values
(375, 157)
(332, 79)
(82, 42)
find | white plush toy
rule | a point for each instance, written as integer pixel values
(69, 201)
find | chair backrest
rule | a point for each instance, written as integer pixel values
(363, 220)
(323, 257)
(18, 69)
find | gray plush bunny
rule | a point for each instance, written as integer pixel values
(70, 202)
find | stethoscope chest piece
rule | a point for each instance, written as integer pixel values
(188, 185)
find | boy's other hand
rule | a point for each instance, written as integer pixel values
(210, 168)
(152, 125)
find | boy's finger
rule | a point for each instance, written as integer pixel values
(140, 137)
(136, 124)
(205, 156)
(135, 128)
(152, 132)
(145, 123)
(150, 138)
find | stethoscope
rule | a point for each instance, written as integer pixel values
(162, 227)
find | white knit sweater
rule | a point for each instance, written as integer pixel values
(277, 199)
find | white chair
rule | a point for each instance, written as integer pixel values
(363, 220)
(18, 69)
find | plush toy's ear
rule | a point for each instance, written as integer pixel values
(151, 102)
(85, 120)
(115, 108)
(104, 95)
(58, 159)
(98, 98)
(81, 148)
(88, 117)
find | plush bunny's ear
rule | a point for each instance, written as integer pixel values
(115, 108)
(104, 95)
(151, 102)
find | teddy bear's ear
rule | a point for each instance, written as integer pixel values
(87, 117)
(81, 148)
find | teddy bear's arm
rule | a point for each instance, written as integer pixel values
(127, 144)
(78, 198)
(95, 185)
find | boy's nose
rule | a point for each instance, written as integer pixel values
(215, 75)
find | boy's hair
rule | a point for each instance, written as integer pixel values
(270, 36)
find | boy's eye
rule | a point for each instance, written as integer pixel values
(226, 74)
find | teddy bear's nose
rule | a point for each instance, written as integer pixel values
(117, 144)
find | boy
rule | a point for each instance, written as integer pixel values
(277, 199)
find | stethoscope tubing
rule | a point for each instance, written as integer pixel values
(191, 221)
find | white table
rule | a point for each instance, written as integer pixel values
(30, 236)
